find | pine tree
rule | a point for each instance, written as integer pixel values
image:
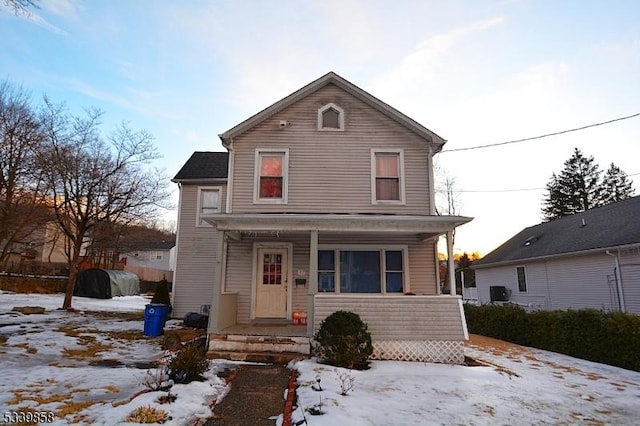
(616, 185)
(579, 187)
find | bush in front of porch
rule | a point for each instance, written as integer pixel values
(344, 340)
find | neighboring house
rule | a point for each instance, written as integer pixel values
(587, 260)
(324, 202)
(151, 261)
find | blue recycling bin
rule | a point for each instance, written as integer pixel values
(155, 315)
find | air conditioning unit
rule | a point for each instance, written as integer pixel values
(498, 293)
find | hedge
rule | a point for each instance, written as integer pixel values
(608, 337)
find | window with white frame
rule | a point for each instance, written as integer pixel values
(522, 279)
(208, 203)
(331, 117)
(387, 176)
(361, 270)
(271, 173)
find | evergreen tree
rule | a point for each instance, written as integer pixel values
(579, 187)
(616, 185)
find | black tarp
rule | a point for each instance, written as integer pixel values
(93, 283)
(103, 284)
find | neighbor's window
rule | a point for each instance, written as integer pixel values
(208, 203)
(522, 279)
(271, 183)
(361, 271)
(330, 117)
(387, 182)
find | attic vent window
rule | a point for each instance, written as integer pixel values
(331, 118)
(530, 240)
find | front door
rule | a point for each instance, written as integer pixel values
(272, 283)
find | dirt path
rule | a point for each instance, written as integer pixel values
(256, 397)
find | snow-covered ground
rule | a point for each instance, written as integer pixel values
(41, 371)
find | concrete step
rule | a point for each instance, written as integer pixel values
(274, 344)
(282, 358)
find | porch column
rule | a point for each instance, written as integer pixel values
(313, 279)
(214, 312)
(450, 265)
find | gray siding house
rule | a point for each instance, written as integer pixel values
(587, 260)
(323, 202)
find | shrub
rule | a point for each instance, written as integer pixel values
(188, 364)
(344, 340)
(147, 414)
(608, 337)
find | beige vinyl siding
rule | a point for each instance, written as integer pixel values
(399, 317)
(238, 278)
(195, 257)
(331, 171)
(240, 264)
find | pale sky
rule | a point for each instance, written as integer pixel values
(474, 72)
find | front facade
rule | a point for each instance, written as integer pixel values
(587, 260)
(326, 205)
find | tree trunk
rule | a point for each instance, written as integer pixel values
(74, 266)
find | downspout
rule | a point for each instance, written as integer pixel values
(619, 287)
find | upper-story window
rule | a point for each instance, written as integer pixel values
(331, 117)
(271, 176)
(208, 203)
(387, 176)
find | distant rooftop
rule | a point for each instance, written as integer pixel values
(613, 225)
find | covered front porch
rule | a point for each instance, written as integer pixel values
(267, 278)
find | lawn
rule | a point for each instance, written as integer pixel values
(89, 367)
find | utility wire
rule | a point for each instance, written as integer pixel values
(541, 136)
(509, 190)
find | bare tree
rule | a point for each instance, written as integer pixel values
(95, 181)
(23, 209)
(21, 6)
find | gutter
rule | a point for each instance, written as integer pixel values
(619, 287)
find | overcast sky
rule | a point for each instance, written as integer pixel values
(474, 72)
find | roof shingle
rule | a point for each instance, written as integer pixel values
(204, 165)
(613, 225)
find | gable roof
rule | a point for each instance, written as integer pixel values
(204, 165)
(333, 78)
(606, 227)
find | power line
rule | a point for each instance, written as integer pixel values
(542, 136)
(510, 190)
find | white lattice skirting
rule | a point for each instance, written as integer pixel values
(443, 351)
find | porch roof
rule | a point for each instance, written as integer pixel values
(414, 224)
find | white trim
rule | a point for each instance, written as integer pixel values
(285, 176)
(465, 330)
(175, 266)
(340, 111)
(401, 177)
(201, 223)
(404, 248)
(254, 274)
(230, 169)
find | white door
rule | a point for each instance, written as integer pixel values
(272, 283)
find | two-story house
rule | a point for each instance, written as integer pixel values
(323, 202)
